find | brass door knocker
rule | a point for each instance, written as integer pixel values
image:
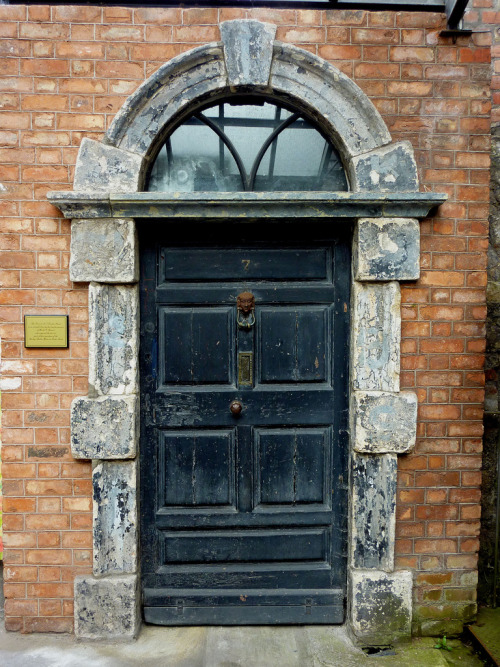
(245, 314)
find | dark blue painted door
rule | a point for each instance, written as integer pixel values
(243, 516)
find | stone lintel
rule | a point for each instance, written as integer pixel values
(113, 339)
(115, 517)
(381, 606)
(376, 336)
(104, 168)
(383, 422)
(104, 250)
(247, 205)
(248, 51)
(107, 608)
(373, 511)
(106, 427)
(390, 168)
(387, 249)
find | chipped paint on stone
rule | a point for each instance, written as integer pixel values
(381, 606)
(389, 169)
(340, 106)
(387, 249)
(176, 85)
(115, 517)
(107, 608)
(113, 339)
(376, 336)
(383, 422)
(373, 511)
(248, 50)
(104, 250)
(106, 427)
(106, 168)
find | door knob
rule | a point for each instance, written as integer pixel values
(236, 407)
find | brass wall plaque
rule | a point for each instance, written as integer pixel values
(245, 369)
(46, 331)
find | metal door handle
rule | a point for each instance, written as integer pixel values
(236, 407)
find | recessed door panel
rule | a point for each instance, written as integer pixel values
(293, 466)
(197, 468)
(244, 423)
(293, 344)
(246, 546)
(195, 345)
(230, 264)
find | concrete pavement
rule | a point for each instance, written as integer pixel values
(311, 646)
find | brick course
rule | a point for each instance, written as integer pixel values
(65, 71)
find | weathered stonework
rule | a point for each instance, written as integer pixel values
(380, 606)
(107, 608)
(106, 168)
(336, 101)
(387, 249)
(172, 88)
(376, 336)
(113, 339)
(106, 427)
(383, 422)
(115, 517)
(373, 511)
(391, 168)
(248, 58)
(248, 50)
(104, 250)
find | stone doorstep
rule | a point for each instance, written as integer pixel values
(271, 646)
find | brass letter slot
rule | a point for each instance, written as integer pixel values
(245, 369)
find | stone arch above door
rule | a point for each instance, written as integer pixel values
(108, 196)
(248, 59)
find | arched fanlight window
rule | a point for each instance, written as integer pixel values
(250, 145)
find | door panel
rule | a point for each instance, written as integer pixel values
(292, 467)
(197, 469)
(248, 512)
(293, 344)
(186, 334)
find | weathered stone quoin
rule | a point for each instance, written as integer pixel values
(385, 250)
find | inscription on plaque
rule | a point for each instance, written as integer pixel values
(46, 331)
(245, 369)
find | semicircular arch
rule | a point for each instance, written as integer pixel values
(249, 59)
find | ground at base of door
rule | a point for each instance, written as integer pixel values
(311, 646)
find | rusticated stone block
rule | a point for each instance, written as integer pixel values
(107, 608)
(391, 168)
(376, 336)
(381, 606)
(115, 517)
(104, 168)
(373, 511)
(104, 250)
(387, 249)
(383, 422)
(106, 427)
(248, 50)
(113, 339)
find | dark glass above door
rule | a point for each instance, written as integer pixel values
(253, 145)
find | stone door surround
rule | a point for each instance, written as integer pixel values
(109, 180)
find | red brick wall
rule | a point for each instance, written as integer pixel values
(65, 71)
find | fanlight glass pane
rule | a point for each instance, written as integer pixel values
(238, 147)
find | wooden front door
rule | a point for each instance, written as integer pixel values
(243, 515)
